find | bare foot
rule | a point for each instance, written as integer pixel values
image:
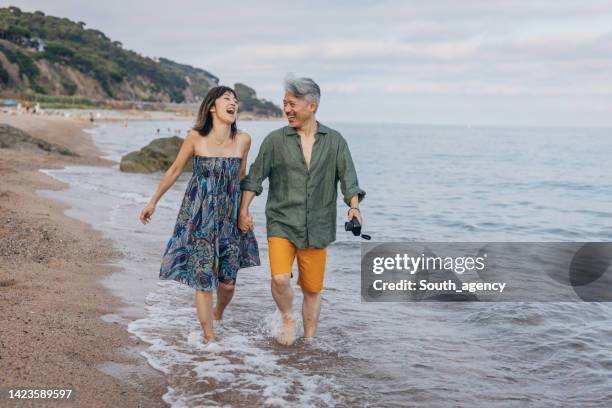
(286, 334)
(216, 314)
(208, 338)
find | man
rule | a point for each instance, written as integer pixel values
(303, 162)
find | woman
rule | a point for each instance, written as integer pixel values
(207, 248)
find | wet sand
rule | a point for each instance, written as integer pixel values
(51, 299)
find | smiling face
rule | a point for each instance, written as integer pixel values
(298, 110)
(225, 108)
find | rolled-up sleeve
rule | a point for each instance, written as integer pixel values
(349, 184)
(260, 169)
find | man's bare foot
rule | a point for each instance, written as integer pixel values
(206, 338)
(286, 334)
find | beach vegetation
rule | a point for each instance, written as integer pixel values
(47, 48)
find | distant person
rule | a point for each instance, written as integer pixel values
(303, 162)
(207, 248)
(91, 118)
(157, 132)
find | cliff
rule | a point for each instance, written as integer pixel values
(54, 56)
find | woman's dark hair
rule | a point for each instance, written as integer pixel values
(204, 122)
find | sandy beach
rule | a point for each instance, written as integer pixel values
(51, 298)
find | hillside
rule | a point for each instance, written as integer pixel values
(54, 56)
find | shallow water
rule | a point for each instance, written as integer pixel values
(423, 183)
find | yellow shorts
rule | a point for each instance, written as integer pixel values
(311, 262)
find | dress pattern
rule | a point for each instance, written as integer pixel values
(207, 247)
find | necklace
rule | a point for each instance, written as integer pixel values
(219, 146)
(219, 143)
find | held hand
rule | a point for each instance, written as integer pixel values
(354, 213)
(146, 213)
(245, 222)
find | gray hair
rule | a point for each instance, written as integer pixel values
(303, 88)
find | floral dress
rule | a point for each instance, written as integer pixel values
(207, 247)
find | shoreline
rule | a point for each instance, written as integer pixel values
(120, 115)
(57, 328)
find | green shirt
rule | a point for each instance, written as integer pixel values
(302, 203)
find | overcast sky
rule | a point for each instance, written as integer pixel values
(534, 62)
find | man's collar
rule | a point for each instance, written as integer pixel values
(321, 129)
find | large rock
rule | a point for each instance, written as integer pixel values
(13, 138)
(156, 156)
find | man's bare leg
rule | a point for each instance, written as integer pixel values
(203, 301)
(311, 309)
(283, 296)
(225, 292)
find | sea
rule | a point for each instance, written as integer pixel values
(423, 183)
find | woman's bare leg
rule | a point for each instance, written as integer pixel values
(225, 292)
(204, 308)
